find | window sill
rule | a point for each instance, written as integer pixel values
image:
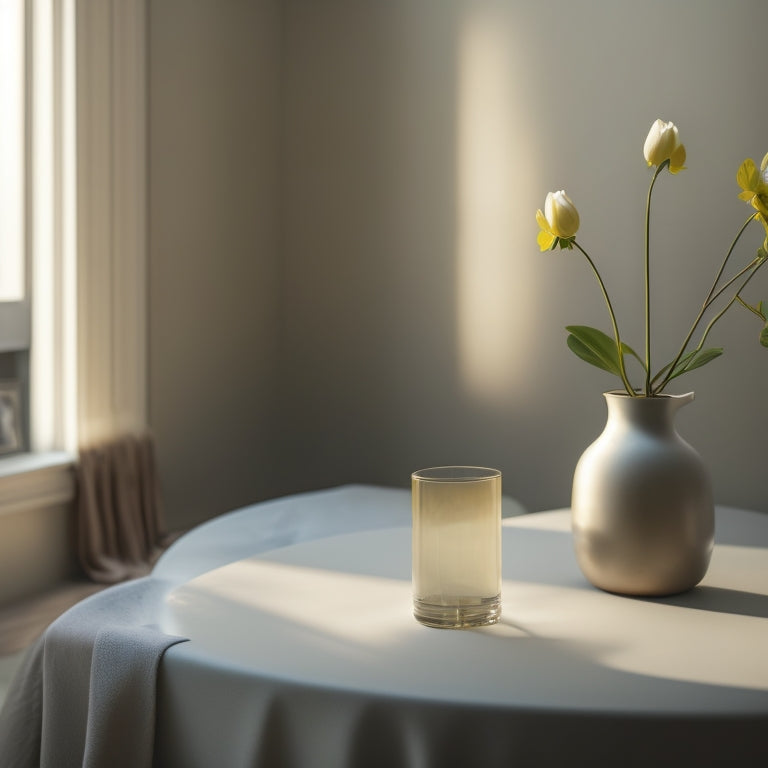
(35, 480)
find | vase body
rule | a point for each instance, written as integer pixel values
(643, 515)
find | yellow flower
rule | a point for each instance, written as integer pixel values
(754, 184)
(663, 143)
(559, 220)
(764, 221)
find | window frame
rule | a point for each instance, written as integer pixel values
(86, 239)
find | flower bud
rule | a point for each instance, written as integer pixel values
(662, 143)
(561, 214)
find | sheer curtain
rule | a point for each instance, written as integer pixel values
(89, 350)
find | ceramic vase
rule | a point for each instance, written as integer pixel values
(643, 515)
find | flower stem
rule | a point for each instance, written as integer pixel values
(757, 264)
(648, 280)
(752, 309)
(751, 268)
(617, 337)
(711, 297)
(728, 256)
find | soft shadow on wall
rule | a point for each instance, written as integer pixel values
(368, 240)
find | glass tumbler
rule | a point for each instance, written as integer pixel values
(456, 546)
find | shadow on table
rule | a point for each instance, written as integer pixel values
(717, 600)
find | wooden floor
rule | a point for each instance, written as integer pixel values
(24, 621)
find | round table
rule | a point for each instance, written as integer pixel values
(309, 656)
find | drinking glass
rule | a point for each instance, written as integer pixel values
(456, 546)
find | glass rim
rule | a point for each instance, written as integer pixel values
(455, 474)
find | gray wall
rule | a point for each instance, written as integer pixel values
(344, 275)
(37, 551)
(213, 216)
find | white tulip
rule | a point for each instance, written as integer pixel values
(561, 214)
(663, 143)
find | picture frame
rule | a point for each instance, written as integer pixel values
(10, 417)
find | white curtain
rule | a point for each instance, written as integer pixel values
(89, 352)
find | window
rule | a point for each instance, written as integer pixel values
(12, 154)
(72, 217)
(72, 211)
(14, 300)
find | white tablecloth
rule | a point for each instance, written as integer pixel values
(309, 656)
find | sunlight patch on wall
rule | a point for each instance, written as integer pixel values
(494, 225)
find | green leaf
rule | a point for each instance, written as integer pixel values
(682, 364)
(679, 368)
(627, 350)
(764, 336)
(704, 357)
(594, 347)
(695, 360)
(584, 352)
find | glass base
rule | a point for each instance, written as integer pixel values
(464, 613)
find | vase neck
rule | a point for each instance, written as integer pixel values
(654, 414)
